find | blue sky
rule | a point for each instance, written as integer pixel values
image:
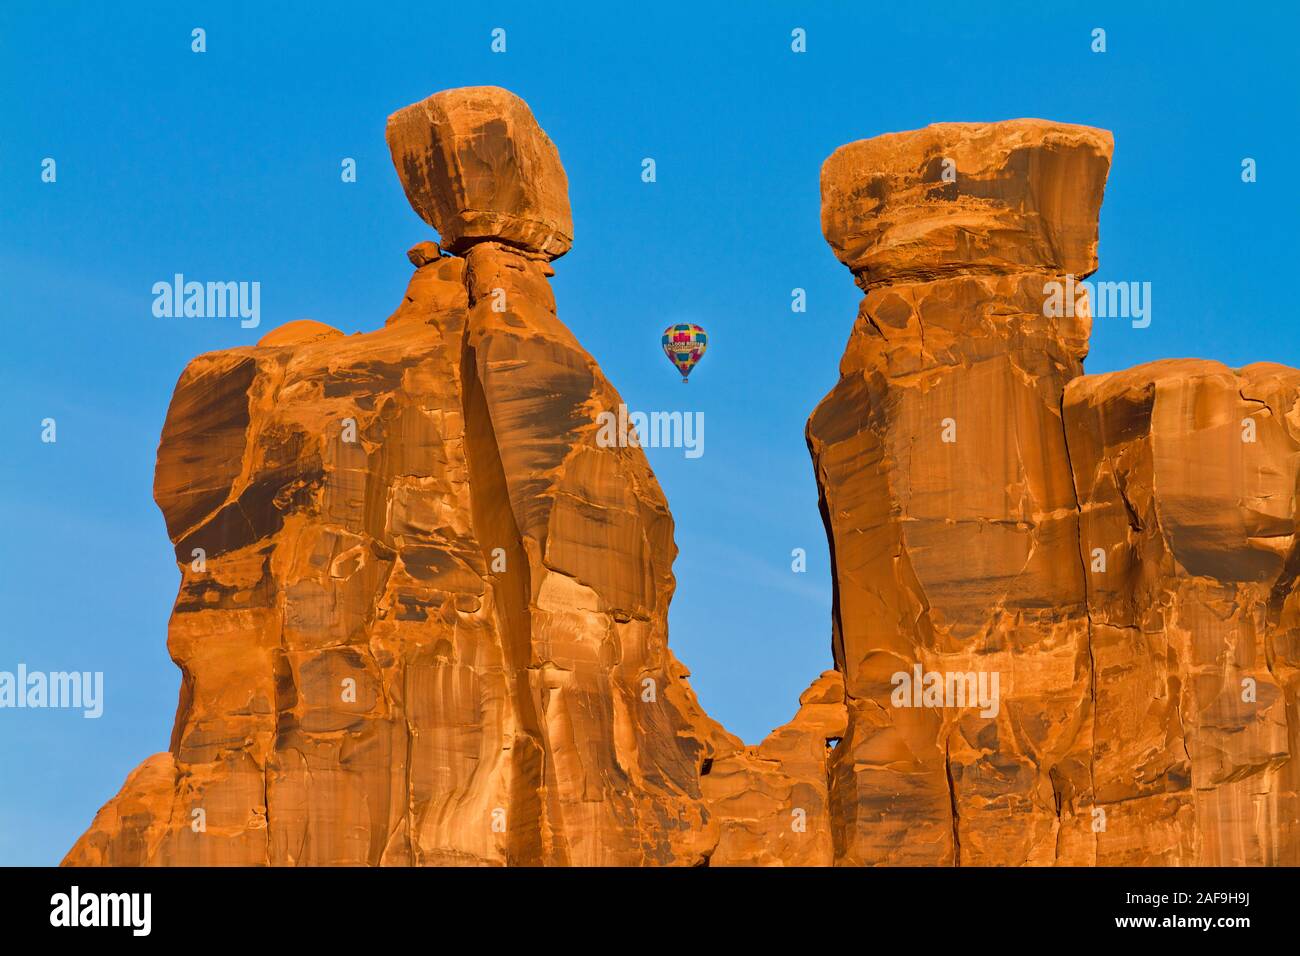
(225, 165)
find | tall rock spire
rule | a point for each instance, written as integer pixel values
(429, 626)
(947, 495)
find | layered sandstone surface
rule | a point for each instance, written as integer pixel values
(947, 494)
(1116, 550)
(1186, 474)
(422, 617)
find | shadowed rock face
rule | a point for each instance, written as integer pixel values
(422, 611)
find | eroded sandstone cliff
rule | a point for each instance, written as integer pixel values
(1112, 553)
(1186, 474)
(422, 613)
(428, 625)
(947, 494)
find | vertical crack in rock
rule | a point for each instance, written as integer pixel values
(1092, 659)
(952, 802)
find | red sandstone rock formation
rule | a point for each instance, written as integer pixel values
(422, 613)
(947, 494)
(1186, 473)
(771, 800)
(475, 165)
(429, 624)
(1108, 546)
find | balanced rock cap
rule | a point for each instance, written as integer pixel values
(476, 166)
(958, 197)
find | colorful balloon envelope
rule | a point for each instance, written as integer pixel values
(684, 344)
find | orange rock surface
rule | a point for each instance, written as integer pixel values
(475, 164)
(947, 494)
(1110, 548)
(1187, 473)
(771, 801)
(422, 617)
(961, 198)
(422, 614)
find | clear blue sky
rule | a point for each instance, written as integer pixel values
(225, 165)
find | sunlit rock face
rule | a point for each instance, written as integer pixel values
(771, 801)
(947, 494)
(1117, 550)
(967, 198)
(1187, 472)
(475, 165)
(422, 616)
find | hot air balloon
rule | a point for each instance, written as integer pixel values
(684, 344)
